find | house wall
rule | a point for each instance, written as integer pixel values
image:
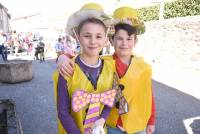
(4, 19)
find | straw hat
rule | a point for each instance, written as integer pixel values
(90, 10)
(128, 15)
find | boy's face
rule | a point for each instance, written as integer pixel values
(92, 38)
(123, 43)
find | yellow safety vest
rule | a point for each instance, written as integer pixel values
(137, 91)
(80, 81)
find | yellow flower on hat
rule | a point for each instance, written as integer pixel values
(129, 16)
(90, 10)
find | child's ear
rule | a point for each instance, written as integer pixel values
(107, 42)
(112, 43)
(110, 39)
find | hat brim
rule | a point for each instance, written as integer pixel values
(79, 16)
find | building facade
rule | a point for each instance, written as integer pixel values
(4, 19)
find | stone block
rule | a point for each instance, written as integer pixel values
(15, 71)
(9, 121)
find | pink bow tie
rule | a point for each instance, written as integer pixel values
(81, 98)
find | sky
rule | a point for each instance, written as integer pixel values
(53, 14)
(18, 8)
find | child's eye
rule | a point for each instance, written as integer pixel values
(86, 36)
(118, 38)
(129, 39)
(99, 37)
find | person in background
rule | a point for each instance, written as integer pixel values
(3, 46)
(69, 46)
(41, 47)
(59, 47)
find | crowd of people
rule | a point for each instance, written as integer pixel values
(66, 44)
(14, 43)
(34, 45)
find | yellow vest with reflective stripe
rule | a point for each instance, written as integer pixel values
(137, 91)
(80, 81)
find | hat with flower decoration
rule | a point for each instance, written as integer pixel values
(129, 16)
(90, 10)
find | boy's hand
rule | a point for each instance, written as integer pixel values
(99, 122)
(150, 129)
(65, 66)
(97, 127)
(89, 131)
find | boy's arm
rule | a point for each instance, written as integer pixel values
(63, 108)
(65, 65)
(151, 123)
(105, 112)
(153, 112)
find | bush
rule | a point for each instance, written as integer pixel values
(177, 8)
(182, 8)
(150, 13)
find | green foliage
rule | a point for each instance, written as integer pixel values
(182, 8)
(148, 14)
(178, 8)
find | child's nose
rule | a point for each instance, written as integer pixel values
(93, 40)
(124, 42)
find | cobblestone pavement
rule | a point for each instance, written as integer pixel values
(36, 108)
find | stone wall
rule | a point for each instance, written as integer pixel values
(4, 19)
(173, 42)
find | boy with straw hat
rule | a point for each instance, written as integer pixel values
(84, 99)
(134, 74)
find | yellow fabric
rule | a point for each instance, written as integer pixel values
(90, 10)
(92, 6)
(125, 12)
(80, 81)
(129, 16)
(137, 91)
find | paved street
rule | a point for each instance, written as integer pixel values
(34, 100)
(36, 109)
(173, 107)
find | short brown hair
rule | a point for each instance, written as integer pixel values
(90, 20)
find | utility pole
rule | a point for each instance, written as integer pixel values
(161, 11)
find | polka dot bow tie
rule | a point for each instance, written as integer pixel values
(81, 98)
